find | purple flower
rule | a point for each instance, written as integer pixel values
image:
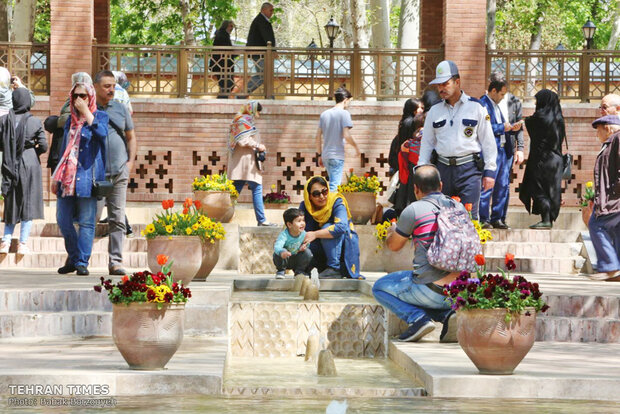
(474, 280)
(98, 288)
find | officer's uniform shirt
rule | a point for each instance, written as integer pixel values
(459, 130)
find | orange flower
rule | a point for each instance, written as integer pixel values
(393, 221)
(188, 203)
(479, 258)
(351, 170)
(456, 198)
(162, 259)
(185, 210)
(509, 258)
(367, 175)
(468, 206)
(125, 279)
(197, 204)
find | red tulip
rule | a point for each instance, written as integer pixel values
(479, 258)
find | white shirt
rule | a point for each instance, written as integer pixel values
(459, 130)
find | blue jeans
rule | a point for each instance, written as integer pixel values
(409, 301)
(24, 231)
(79, 245)
(257, 197)
(605, 236)
(334, 171)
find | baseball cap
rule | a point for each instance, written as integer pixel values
(445, 70)
(606, 120)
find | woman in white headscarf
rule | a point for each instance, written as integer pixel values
(9, 83)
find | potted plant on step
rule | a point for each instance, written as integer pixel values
(148, 315)
(496, 316)
(393, 261)
(188, 237)
(276, 199)
(217, 195)
(361, 196)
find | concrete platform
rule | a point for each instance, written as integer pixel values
(196, 368)
(551, 370)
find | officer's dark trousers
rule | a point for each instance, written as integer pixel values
(500, 193)
(463, 181)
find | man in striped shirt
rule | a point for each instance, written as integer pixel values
(417, 296)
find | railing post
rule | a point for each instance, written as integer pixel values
(584, 85)
(268, 71)
(182, 72)
(356, 73)
(95, 57)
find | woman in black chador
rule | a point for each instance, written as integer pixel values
(540, 190)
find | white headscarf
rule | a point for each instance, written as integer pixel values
(6, 92)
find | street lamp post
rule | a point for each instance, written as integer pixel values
(560, 47)
(332, 29)
(588, 32)
(588, 29)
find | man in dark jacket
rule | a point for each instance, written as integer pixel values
(604, 224)
(260, 33)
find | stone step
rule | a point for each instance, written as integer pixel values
(534, 236)
(534, 249)
(57, 244)
(54, 260)
(539, 265)
(582, 306)
(567, 329)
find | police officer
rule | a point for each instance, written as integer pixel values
(506, 122)
(458, 130)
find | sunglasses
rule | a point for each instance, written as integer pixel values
(318, 193)
(80, 95)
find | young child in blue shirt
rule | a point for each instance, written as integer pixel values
(290, 252)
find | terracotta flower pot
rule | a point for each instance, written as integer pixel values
(186, 252)
(277, 206)
(400, 260)
(362, 205)
(494, 346)
(217, 205)
(210, 256)
(145, 336)
(586, 212)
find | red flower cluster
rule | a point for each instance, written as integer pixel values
(281, 198)
(140, 287)
(166, 204)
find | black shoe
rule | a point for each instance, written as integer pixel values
(117, 271)
(82, 270)
(330, 273)
(486, 225)
(105, 220)
(417, 330)
(500, 225)
(68, 268)
(542, 225)
(448, 332)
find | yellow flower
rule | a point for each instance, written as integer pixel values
(150, 228)
(195, 226)
(169, 229)
(273, 186)
(188, 231)
(589, 184)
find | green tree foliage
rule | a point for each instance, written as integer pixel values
(154, 22)
(42, 22)
(561, 22)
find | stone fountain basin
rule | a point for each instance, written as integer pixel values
(268, 320)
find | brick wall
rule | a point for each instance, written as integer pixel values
(180, 139)
(102, 21)
(70, 45)
(431, 24)
(464, 42)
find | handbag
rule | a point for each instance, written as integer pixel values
(567, 163)
(260, 158)
(102, 188)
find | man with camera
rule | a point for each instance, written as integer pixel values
(120, 154)
(459, 131)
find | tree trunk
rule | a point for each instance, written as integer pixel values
(360, 39)
(4, 21)
(615, 30)
(535, 41)
(409, 38)
(188, 25)
(380, 19)
(491, 10)
(23, 20)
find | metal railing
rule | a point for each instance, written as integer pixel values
(582, 75)
(30, 62)
(268, 72)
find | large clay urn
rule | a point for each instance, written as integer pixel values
(185, 252)
(217, 205)
(362, 205)
(145, 336)
(210, 256)
(494, 345)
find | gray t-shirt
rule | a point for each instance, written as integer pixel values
(117, 149)
(332, 123)
(419, 219)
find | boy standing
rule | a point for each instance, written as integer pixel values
(289, 250)
(335, 128)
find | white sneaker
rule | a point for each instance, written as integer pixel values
(23, 249)
(4, 248)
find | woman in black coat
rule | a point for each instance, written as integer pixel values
(22, 142)
(541, 191)
(222, 65)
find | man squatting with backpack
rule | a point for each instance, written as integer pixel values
(417, 296)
